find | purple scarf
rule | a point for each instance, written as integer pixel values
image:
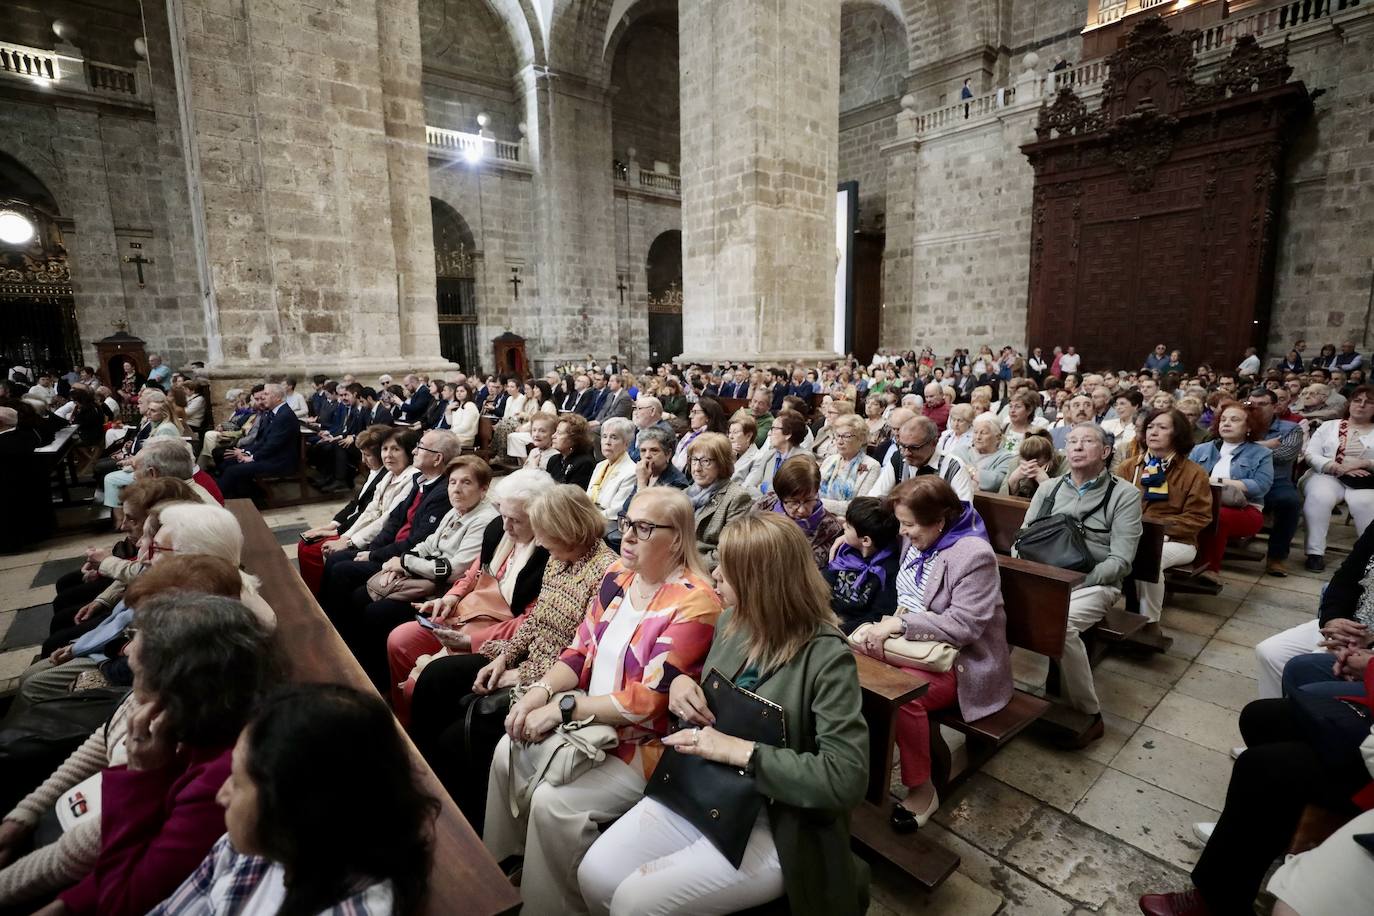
(970, 524)
(808, 524)
(850, 560)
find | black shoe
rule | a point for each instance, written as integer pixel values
(1092, 733)
(1315, 563)
(902, 820)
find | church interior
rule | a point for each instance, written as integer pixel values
(505, 224)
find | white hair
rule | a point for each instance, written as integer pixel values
(521, 486)
(203, 530)
(619, 426)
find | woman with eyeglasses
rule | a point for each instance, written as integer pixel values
(849, 471)
(652, 618)
(706, 416)
(785, 439)
(823, 446)
(796, 494)
(614, 477)
(717, 499)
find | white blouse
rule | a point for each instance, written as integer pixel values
(1321, 448)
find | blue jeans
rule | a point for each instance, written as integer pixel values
(1312, 674)
(1285, 505)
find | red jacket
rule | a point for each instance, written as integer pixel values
(208, 482)
(155, 828)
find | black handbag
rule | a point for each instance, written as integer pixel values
(1059, 540)
(1352, 482)
(719, 800)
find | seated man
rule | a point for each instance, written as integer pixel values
(332, 454)
(275, 450)
(416, 403)
(1109, 509)
(172, 458)
(242, 428)
(916, 454)
(1079, 409)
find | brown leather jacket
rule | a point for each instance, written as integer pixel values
(1189, 507)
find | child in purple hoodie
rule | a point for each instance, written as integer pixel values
(863, 573)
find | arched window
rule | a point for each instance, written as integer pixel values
(455, 285)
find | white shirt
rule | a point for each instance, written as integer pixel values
(948, 468)
(610, 651)
(1223, 466)
(296, 401)
(1249, 366)
(1068, 362)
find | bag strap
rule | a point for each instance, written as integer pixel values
(1111, 485)
(1048, 505)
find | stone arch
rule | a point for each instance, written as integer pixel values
(576, 37)
(472, 64)
(663, 269)
(874, 55)
(644, 73)
(455, 280)
(34, 179)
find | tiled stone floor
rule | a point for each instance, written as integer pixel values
(1040, 831)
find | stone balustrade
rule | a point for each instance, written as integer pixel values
(63, 71)
(29, 63)
(1270, 25)
(975, 109)
(470, 147)
(1081, 76)
(110, 78)
(632, 176)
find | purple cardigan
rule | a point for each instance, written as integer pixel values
(964, 609)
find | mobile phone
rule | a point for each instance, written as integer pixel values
(424, 621)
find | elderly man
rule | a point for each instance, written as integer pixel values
(1108, 509)
(172, 458)
(1102, 409)
(648, 414)
(274, 451)
(738, 387)
(760, 407)
(1078, 409)
(157, 372)
(417, 400)
(581, 398)
(936, 407)
(916, 454)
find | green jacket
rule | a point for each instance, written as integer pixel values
(764, 424)
(814, 782)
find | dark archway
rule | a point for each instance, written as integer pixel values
(455, 275)
(664, 271)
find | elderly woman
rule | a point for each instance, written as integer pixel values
(1237, 462)
(1174, 491)
(796, 494)
(1021, 419)
(491, 598)
(778, 639)
(785, 439)
(981, 400)
(372, 855)
(572, 461)
(849, 471)
(1037, 461)
(717, 499)
(434, 563)
(200, 665)
(949, 591)
(958, 430)
(986, 459)
(386, 455)
(1340, 456)
(614, 476)
(457, 733)
(652, 618)
(823, 446)
(706, 416)
(541, 449)
(743, 430)
(157, 422)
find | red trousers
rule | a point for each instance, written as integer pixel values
(409, 641)
(311, 560)
(913, 724)
(1233, 524)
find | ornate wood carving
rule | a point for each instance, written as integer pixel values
(1153, 217)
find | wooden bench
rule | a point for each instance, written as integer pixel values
(1189, 579)
(463, 877)
(274, 485)
(54, 458)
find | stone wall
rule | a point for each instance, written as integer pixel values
(644, 107)
(640, 218)
(470, 67)
(873, 65)
(1051, 28)
(862, 137)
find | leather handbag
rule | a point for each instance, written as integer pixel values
(719, 800)
(397, 586)
(564, 755)
(925, 654)
(1060, 539)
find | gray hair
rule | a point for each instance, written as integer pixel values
(648, 400)
(8, 417)
(275, 389)
(987, 419)
(169, 457)
(203, 529)
(929, 431)
(657, 434)
(619, 426)
(521, 486)
(446, 444)
(1102, 435)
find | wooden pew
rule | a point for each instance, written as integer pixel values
(463, 878)
(1188, 579)
(274, 485)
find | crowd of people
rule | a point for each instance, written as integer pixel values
(568, 611)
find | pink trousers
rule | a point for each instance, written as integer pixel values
(410, 640)
(913, 724)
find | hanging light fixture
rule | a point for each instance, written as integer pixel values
(15, 228)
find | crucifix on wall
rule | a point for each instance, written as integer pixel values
(621, 287)
(138, 260)
(515, 281)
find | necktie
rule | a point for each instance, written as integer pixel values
(404, 533)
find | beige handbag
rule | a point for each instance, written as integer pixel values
(399, 587)
(925, 654)
(564, 755)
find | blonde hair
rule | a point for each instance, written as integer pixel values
(566, 514)
(782, 598)
(854, 423)
(716, 447)
(682, 518)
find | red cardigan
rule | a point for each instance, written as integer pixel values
(155, 828)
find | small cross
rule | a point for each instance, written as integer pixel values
(515, 281)
(620, 285)
(138, 261)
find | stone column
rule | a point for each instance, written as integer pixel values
(760, 140)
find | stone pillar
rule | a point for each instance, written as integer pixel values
(760, 140)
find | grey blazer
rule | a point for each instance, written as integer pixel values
(728, 503)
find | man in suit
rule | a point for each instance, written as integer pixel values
(372, 410)
(801, 387)
(600, 394)
(580, 399)
(617, 403)
(417, 400)
(738, 387)
(275, 450)
(333, 456)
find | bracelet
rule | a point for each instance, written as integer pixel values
(546, 688)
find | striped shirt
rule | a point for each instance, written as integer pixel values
(911, 586)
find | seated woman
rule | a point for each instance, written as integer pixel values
(670, 393)
(823, 445)
(863, 573)
(653, 617)
(386, 455)
(458, 738)
(59, 862)
(1235, 460)
(849, 471)
(796, 494)
(1122, 427)
(491, 598)
(1021, 421)
(948, 590)
(284, 850)
(1332, 878)
(779, 640)
(201, 663)
(717, 499)
(157, 414)
(1340, 456)
(958, 430)
(785, 439)
(706, 416)
(455, 543)
(743, 431)
(1174, 491)
(1036, 462)
(461, 415)
(573, 461)
(876, 423)
(614, 476)
(541, 450)
(511, 415)
(986, 460)
(538, 399)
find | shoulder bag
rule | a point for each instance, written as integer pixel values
(564, 755)
(1354, 482)
(1060, 539)
(925, 654)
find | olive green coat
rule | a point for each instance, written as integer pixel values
(814, 782)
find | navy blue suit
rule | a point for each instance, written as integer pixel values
(594, 404)
(735, 390)
(277, 450)
(413, 408)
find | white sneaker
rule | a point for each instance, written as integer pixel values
(1204, 831)
(1237, 751)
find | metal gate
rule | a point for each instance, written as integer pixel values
(38, 329)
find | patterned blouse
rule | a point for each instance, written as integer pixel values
(672, 639)
(563, 596)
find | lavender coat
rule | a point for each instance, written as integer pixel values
(964, 609)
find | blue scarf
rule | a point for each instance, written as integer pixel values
(850, 560)
(970, 524)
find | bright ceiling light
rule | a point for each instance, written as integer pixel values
(473, 153)
(15, 228)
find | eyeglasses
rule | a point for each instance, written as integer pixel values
(154, 548)
(432, 451)
(643, 530)
(703, 461)
(842, 437)
(799, 505)
(913, 449)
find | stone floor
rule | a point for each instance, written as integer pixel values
(1040, 831)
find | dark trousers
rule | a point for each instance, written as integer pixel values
(237, 479)
(458, 747)
(365, 627)
(1285, 506)
(334, 462)
(1280, 773)
(73, 593)
(343, 576)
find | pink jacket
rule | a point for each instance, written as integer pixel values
(964, 608)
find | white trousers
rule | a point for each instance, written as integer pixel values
(1086, 607)
(561, 825)
(1151, 594)
(1321, 494)
(1273, 653)
(1332, 880)
(653, 862)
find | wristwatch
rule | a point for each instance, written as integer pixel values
(566, 706)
